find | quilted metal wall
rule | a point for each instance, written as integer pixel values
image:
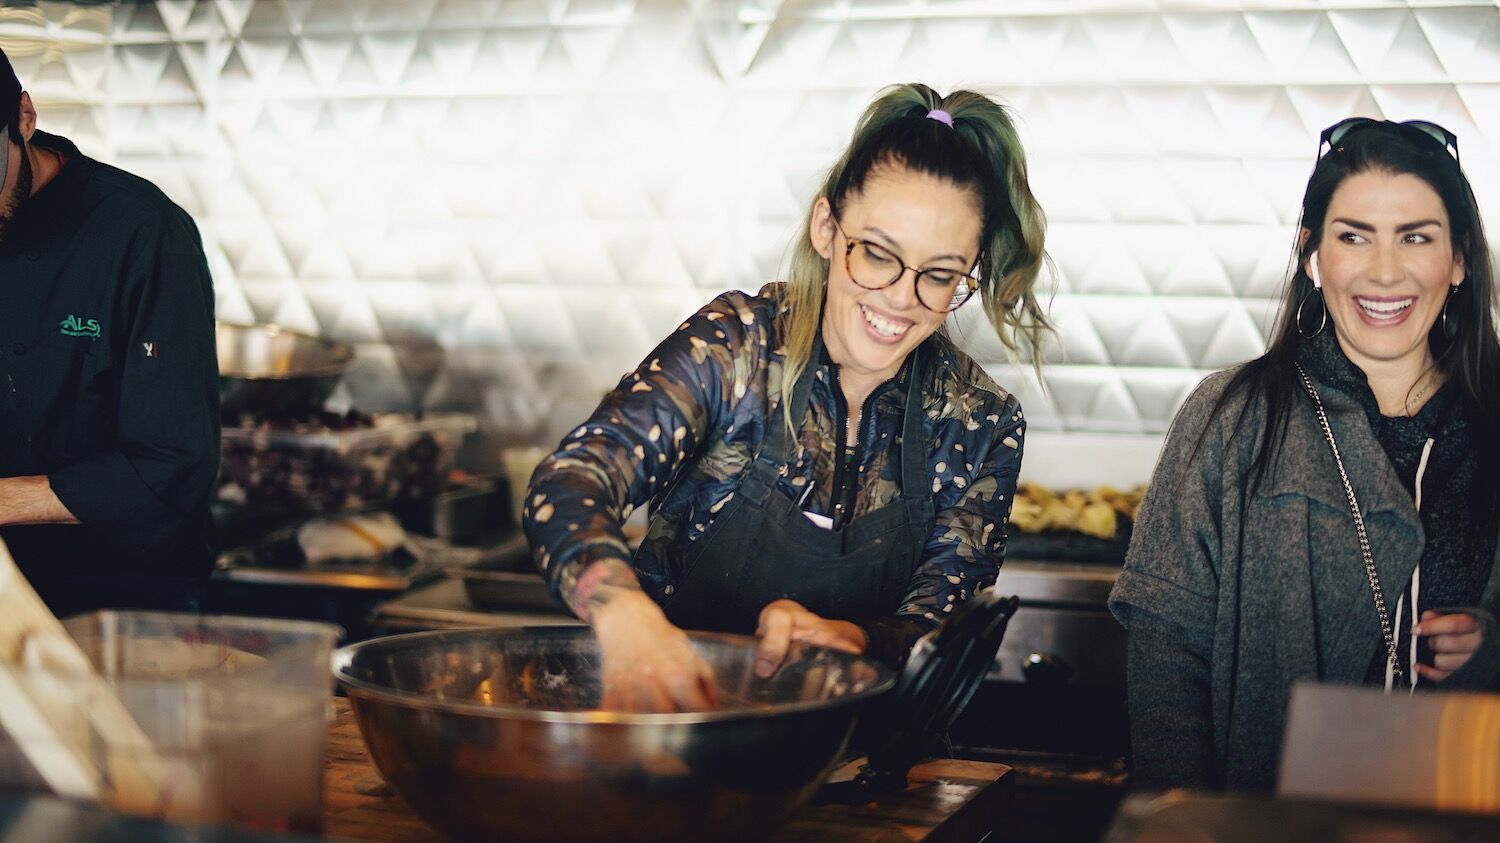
(505, 202)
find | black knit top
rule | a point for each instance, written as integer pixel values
(1459, 531)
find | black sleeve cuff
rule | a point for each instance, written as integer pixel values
(107, 496)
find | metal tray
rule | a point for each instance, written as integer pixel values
(1067, 546)
(508, 580)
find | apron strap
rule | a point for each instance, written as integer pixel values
(914, 478)
(776, 449)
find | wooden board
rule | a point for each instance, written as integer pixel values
(947, 801)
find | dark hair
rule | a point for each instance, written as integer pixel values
(980, 150)
(10, 95)
(1465, 350)
(925, 145)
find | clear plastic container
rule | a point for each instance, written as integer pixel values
(235, 710)
(344, 470)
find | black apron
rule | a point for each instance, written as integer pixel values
(762, 547)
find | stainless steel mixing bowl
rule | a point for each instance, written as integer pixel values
(495, 734)
(269, 371)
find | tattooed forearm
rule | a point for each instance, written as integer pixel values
(599, 583)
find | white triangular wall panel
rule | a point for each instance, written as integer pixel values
(1079, 341)
(1177, 120)
(1135, 331)
(264, 56)
(1157, 393)
(264, 299)
(322, 259)
(1136, 48)
(468, 14)
(1192, 266)
(1065, 191)
(1465, 39)
(1113, 268)
(437, 176)
(790, 53)
(137, 21)
(537, 319)
(1219, 191)
(390, 55)
(1114, 408)
(1239, 338)
(1302, 47)
(55, 75)
(945, 46)
(1258, 120)
(1140, 190)
(508, 256)
(334, 16)
(1278, 183)
(478, 323)
(404, 311)
(1216, 47)
(1388, 45)
(233, 14)
(262, 17)
(87, 69)
(296, 313)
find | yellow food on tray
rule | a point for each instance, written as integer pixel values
(1094, 513)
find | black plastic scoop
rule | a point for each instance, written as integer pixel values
(940, 677)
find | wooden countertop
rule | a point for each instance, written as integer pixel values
(946, 801)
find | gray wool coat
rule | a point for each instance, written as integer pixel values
(1231, 596)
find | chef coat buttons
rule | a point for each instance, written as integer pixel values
(19, 349)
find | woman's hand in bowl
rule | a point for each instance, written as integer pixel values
(649, 664)
(785, 622)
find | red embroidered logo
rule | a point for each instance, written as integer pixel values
(152, 349)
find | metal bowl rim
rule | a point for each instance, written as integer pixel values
(342, 350)
(343, 657)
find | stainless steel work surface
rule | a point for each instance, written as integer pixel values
(445, 605)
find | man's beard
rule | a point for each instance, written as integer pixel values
(18, 195)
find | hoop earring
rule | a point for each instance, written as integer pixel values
(1447, 331)
(1322, 323)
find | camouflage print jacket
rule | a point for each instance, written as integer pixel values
(681, 429)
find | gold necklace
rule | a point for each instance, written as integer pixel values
(1432, 380)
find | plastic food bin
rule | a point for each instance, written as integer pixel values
(236, 710)
(325, 471)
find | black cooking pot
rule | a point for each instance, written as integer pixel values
(270, 372)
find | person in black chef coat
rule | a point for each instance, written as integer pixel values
(109, 417)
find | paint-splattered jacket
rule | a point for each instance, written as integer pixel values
(681, 429)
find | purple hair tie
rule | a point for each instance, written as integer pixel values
(941, 116)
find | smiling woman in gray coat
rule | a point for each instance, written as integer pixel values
(1247, 572)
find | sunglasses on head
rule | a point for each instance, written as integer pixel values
(1423, 130)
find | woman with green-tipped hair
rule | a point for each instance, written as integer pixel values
(825, 465)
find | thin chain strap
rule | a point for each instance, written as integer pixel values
(1386, 631)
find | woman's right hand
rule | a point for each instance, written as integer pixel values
(649, 664)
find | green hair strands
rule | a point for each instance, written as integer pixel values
(981, 151)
